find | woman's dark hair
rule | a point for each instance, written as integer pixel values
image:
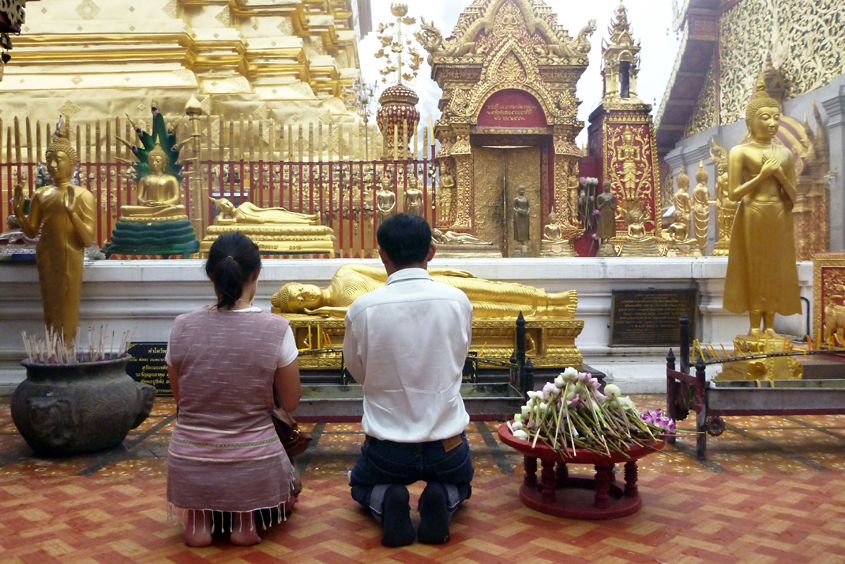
(232, 259)
(405, 238)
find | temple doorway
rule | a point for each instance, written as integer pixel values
(498, 173)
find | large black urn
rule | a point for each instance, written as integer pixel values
(65, 409)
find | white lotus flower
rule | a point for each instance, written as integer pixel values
(517, 426)
(560, 382)
(626, 403)
(522, 435)
(526, 412)
(612, 390)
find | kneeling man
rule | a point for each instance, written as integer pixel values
(406, 344)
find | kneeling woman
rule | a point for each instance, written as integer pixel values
(224, 362)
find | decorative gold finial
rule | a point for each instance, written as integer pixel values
(399, 8)
(61, 140)
(396, 43)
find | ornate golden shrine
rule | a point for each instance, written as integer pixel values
(621, 135)
(549, 343)
(508, 75)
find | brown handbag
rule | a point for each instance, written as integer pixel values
(294, 440)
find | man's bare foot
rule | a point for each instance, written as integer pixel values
(198, 529)
(244, 532)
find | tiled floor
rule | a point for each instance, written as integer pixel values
(773, 490)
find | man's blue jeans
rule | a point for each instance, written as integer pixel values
(384, 463)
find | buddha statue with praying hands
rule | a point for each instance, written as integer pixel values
(488, 298)
(762, 276)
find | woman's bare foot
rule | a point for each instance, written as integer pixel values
(198, 528)
(244, 532)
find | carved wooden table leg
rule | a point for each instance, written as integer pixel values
(561, 475)
(530, 472)
(547, 481)
(602, 486)
(631, 489)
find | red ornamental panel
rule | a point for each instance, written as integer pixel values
(512, 108)
(630, 165)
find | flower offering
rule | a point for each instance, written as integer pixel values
(571, 413)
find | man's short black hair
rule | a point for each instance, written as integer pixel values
(405, 238)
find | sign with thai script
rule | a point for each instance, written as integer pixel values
(149, 367)
(650, 318)
(512, 108)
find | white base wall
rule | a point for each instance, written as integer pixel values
(147, 295)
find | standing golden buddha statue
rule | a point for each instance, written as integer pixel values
(725, 208)
(762, 276)
(414, 197)
(701, 207)
(65, 215)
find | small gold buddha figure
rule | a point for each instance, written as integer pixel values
(701, 207)
(725, 208)
(638, 243)
(385, 201)
(762, 277)
(488, 298)
(158, 193)
(678, 231)
(66, 216)
(682, 200)
(250, 214)
(413, 197)
(551, 232)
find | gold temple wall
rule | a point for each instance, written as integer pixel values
(287, 61)
(804, 37)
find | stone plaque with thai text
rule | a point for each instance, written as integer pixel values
(650, 318)
(149, 367)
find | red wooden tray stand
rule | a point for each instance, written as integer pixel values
(578, 497)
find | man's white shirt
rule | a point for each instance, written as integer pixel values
(406, 344)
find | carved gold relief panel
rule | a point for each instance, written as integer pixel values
(805, 38)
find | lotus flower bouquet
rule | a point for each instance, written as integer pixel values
(571, 413)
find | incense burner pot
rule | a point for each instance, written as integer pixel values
(66, 409)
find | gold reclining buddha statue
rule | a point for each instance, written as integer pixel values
(489, 298)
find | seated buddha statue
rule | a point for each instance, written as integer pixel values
(552, 232)
(250, 214)
(158, 194)
(488, 298)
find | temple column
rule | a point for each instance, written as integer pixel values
(462, 151)
(835, 109)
